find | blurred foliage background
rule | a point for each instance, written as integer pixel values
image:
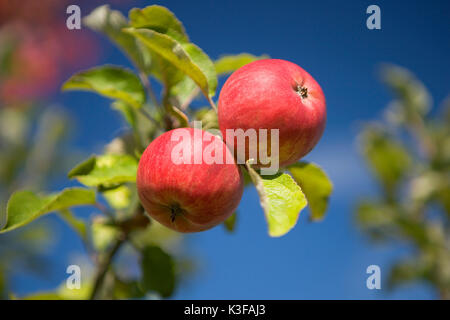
(35, 56)
(408, 153)
(409, 156)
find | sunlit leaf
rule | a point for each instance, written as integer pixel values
(118, 198)
(111, 23)
(75, 223)
(375, 215)
(158, 271)
(43, 296)
(388, 159)
(63, 293)
(124, 144)
(159, 235)
(186, 57)
(185, 91)
(409, 270)
(281, 199)
(159, 19)
(127, 112)
(316, 186)
(106, 170)
(102, 233)
(127, 289)
(208, 117)
(413, 97)
(230, 63)
(230, 223)
(25, 206)
(110, 81)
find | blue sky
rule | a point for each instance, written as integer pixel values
(329, 39)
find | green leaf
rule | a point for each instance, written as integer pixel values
(127, 290)
(106, 170)
(111, 23)
(158, 271)
(208, 117)
(43, 296)
(76, 224)
(63, 293)
(375, 215)
(281, 199)
(156, 234)
(159, 19)
(110, 81)
(186, 57)
(230, 223)
(205, 64)
(185, 91)
(413, 269)
(118, 198)
(230, 63)
(102, 233)
(316, 186)
(127, 112)
(413, 97)
(25, 206)
(388, 158)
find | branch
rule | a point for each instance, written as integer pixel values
(190, 98)
(212, 104)
(104, 266)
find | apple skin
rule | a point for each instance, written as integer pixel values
(267, 94)
(188, 197)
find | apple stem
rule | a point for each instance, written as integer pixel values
(302, 91)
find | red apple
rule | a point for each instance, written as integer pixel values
(180, 188)
(274, 94)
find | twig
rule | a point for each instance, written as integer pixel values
(212, 104)
(104, 266)
(418, 129)
(148, 87)
(189, 99)
(105, 210)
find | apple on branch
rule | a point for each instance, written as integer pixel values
(273, 94)
(183, 190)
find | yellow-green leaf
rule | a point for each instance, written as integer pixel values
(388, 159)
(186, 57)
(281, 199)
(110, 81)
(230, 223)
(159, 19)
(75, 223)
(102, 233)
(316, 186)
(25, 206)
(111, 22)
(106, 170)
(118, 198)
(158, 271)
(230, 63)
